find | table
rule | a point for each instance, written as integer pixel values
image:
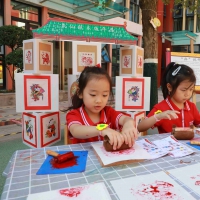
(22, 179)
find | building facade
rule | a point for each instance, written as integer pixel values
(33, 14)
(175, 18)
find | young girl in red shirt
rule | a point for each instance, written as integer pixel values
(177, 87)
(90, 118)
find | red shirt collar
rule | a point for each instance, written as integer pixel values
(174, 107)
(88, 121)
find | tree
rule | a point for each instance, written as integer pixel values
(149, 11)
(13, 36)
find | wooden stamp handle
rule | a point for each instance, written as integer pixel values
(52, 153)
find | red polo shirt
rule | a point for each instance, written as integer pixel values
(188, 115)
(79, 116)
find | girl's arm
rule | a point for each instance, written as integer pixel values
(129, 131)
(147, 123)
(84, 132)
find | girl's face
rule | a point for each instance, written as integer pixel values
(95, 95)
(183, 92)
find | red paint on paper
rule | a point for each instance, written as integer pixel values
(197, 183)
(157, 190)
(69, 163)
(71, 192)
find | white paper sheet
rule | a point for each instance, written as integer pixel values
(175, 148)
(156, 186)
(134, 153)
(189, 175)
(95, 191)
(152, 149)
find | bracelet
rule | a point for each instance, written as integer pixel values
(156, 118)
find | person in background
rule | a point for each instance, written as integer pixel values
(177, 87)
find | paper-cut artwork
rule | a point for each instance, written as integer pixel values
(97, 191)
(150, 187)
(86, 59)
(133, 93)
(140, 61)
(189, 175)
(28, 56)
(174, 147)
(45, 57)
(37, 92)
(50, 129)
(134, 153)
(29, 129)
(126, 61)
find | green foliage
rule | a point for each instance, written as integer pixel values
(13, 36)
(15, 58)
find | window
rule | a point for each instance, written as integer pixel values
(178, 11)
(178, 24)
(24, 11)
(189, 23)
(134, 11)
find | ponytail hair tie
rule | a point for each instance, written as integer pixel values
(98, 65)
(176, 71)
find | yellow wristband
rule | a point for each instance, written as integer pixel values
(157, 112)
(101, 127)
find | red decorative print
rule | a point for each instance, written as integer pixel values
(29, 56)
(158, 190)
(51, 129)
(45, 58)
(197, 183)
(87, 61)
(71, 192)
(126, 61)
(117, 153)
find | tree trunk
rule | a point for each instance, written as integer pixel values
(150, 43)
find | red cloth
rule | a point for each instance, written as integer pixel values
(79, 116)
(188, 116)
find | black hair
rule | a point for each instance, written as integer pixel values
(87, 74)
(174, 74)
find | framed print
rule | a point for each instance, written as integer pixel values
(131, 61)
(126, 56)
(28, 56)
(29, 129)
(138, 117)
(38, 56)
(50, 128)
(36, 93)
(133, 93)
(85, 54)
(45, 54)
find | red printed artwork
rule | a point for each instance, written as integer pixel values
(50, 128)
(29, 129)
(45, 58)
(28, 56)
(71, 192)
(156, 190)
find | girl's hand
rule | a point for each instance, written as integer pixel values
(168, 114)
(116, 138)
(129, 133)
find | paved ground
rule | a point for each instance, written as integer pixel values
(12, 131)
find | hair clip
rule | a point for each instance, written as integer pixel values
(176, 71)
